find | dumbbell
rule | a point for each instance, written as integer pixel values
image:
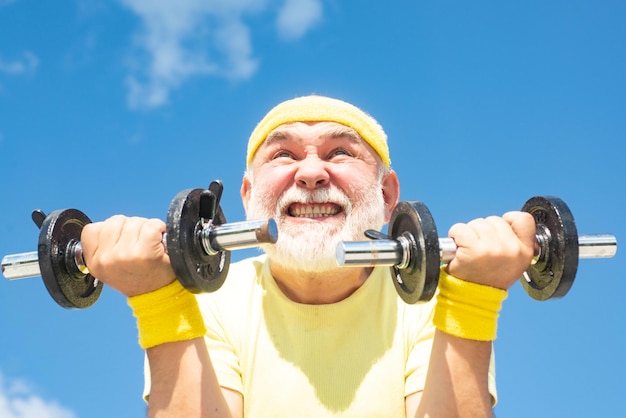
(198, 241)
(414, 251)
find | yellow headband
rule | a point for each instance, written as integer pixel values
(320, 109)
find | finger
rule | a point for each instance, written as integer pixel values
(137, 239)
(485, 228)
(461, 232)
(501, 228)
(493, 237)
(467, 239)
(523, 225)
(155, 226)
(152, 231)
(89, 238)
(110, 233)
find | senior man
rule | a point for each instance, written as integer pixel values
(292, 334)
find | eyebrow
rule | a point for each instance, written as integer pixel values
(279, 134)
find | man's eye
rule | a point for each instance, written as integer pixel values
(283, 154)
(340, 152)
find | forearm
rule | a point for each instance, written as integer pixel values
(457, 380)
(183, 382)
(491, 254)
(171, 330)
(466, 320)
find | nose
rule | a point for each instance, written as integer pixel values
(312, 173)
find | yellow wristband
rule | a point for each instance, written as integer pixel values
(467, 310)
(166, 315)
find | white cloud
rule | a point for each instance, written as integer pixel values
(17, 400)
(26, 64)
(185, 38)
(296, 17)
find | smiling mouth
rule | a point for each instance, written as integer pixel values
(313, 210)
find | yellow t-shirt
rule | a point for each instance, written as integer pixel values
(356, 358)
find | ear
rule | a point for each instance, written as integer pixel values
(391, 193)
(246, 187)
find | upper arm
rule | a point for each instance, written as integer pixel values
(234, 400)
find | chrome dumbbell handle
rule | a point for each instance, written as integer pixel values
(394, 252)
(215, 238)
(20, 266)
(414, 251)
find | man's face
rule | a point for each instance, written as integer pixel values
(322, 184)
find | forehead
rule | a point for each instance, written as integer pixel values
(308, 130)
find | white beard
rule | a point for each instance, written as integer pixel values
(310, 247)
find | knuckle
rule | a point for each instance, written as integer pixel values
(115, 219)
(454, 229)
(155, 225)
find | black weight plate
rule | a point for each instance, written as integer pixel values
(68, 287)
(553, 274)
(418, 281)
(197, 271)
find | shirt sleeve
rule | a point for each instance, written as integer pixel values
(222, 350)
(419, 334)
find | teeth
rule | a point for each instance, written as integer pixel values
(313, 211)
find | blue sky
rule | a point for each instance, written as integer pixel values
(115, 106)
